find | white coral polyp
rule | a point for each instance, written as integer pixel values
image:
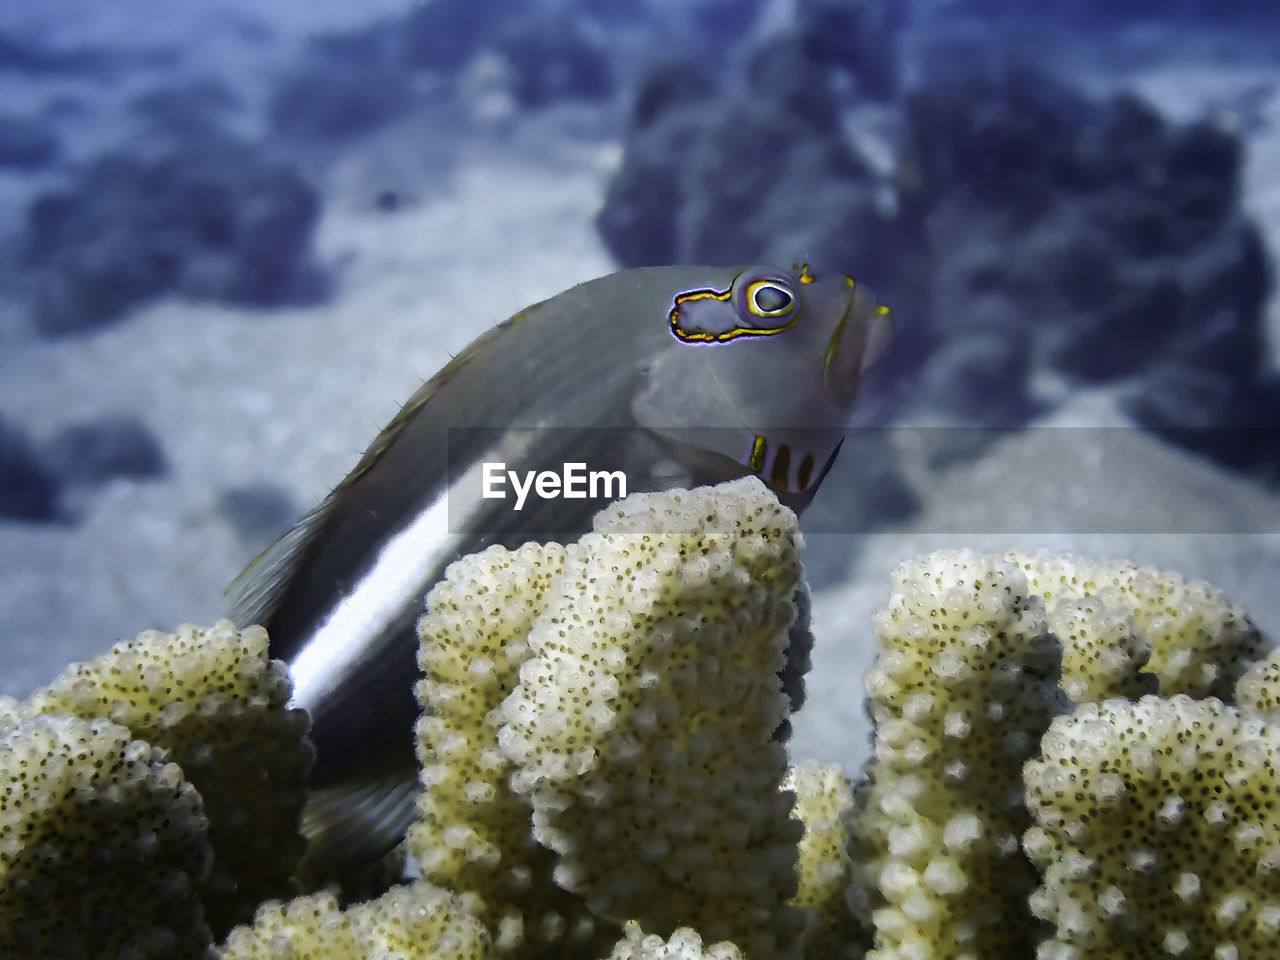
(1188, 867)
(1187, 633)
(693, 700)
(963, 688)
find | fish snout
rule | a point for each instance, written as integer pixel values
(860, 338)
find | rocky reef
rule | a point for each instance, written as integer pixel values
(47, 482)
(351, 83)
(1072, 759)
(223, 223)
(29, 488)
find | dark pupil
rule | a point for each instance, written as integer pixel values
(771, 299)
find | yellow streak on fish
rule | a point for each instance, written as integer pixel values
(780, 474)
(673, 318)
(833, 347)
(806, 471)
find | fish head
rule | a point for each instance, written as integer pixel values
(763, 367)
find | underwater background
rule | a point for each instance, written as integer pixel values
(235, 236)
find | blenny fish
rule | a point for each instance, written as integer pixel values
(677, 376)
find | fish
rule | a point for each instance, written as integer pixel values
(676, 376)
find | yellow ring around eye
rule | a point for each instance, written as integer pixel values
(781, 311)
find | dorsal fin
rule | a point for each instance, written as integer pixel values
(422, 396)
(256, 590)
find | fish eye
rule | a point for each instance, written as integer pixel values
(767, 298)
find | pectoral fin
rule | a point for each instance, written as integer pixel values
(356, 823)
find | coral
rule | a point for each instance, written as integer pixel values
(640, 729)
(1189, 405)
(414, 922)
(1103, 651)
(222, 222)
(444, 35)
(962, 689)
(419, 921)
(108, 446)
(27, 142)
(102, 841)
(682, 194)
(187, 113)
(213, 700)
(638, 219)
(520, 655)
(962, 375)
(600, 751)
(259, 513)
(1259, 689)
(29, 487)
(683, 944)
(473, 834)
(551, 56)
(349, 83)
(1201, 642)
(1156, 831)
(1091, 16)
(1123, 235)
(313, 926)
(37, 478)
(33, 57)
(824, 798)
(328, 97)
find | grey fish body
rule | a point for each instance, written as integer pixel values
(614, 379)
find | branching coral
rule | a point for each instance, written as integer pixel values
(642, 666)
(473, 832)
(964, 686)
(1103, 651)
(211, 704)
(600, 754)
(101, 843)
(1157, 831)
(1259, 688)
(1201, 642)
(683, 944)
(641, 727)
(414, 922)
(214, 700)
(824, 801)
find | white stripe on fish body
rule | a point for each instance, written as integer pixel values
(406, 566)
